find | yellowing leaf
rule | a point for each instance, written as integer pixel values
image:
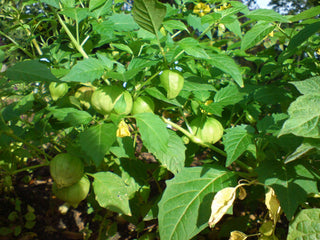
(242, 193)
(237, 235)
(272, 204)
(266, 228)
(221, 203)
(123, 130)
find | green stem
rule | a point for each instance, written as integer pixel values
(194, 138)
(73, 40)
(29, 168)
(138, 88)
(161, 48)
(283, 32)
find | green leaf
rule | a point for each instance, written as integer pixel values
(306, 225)
(111, 192)
(53, 3)
(267, 15)
(298, 39)
(156, 93)
(30, 71)
(149, 14)
(174, 25)
(292, 182)
(72, 116)
(153, 132)
(102, 10)
(236, 141)
(255, 35)
(195, 22)
(307, 145)
(122, 47)
(173, 159)
(96, 141)
(77, 14)
(184, 209)
(227, 65)
(229, 95)
(308, 86)
(234, 26)
(192, 47)
(304, 117)
(309, 13)
(93, 4)
(123, 22)
(14, 110)
(85, 71)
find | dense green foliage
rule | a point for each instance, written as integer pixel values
(255, 73)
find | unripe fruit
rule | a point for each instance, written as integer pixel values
(84, 94)
(172, 82)
(66, 169)
(124, 104)
(75, 193)
(143, 104)
(208, 130)
(58, 90)
(104, 99)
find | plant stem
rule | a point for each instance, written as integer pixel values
(145, 83)
(194, 138)
(73, 40)
(29, 168)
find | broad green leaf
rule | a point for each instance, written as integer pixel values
(111, 192)
(267, 15)
(192, 47)
(123, 22)
(74, 117)
(30, 71)
(102, 10)
(304, 117)
(271, 94)
(184, 209)
(96, 141)
(122, 47)
(123, 148)
(85, 71)
(134, 175)
(195, 22)
(153, 132)
(303, 35)
(236, 141)
(68, 3)
(308, 86)
(227, 65)
(229, 95)
(149, 14)
(93, 4)
(236, 7)
(173, 159)
(77, 14)
(14, 110)
(234, 27)
(309, 13)
(306, 225)
(299, 39)
(292, 182)
(255, 35)
(53, 3)
(272, 124)
(307, 145)
(156, 93)
(171, 25)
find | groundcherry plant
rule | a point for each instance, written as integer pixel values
(195, 114)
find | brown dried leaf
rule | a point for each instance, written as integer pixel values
(221, 203)
(272, 204)
(237, 235)
(123, 130)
